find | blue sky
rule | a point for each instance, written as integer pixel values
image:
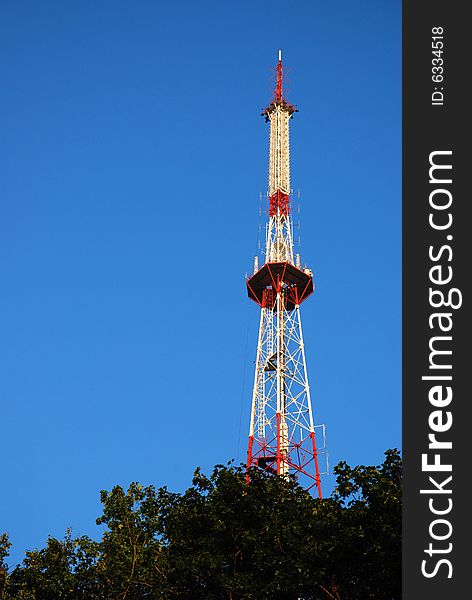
(132, 156)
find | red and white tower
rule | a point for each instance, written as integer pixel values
(282, 435)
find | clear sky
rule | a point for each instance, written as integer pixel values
(132, 156)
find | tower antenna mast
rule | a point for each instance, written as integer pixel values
(283, 438)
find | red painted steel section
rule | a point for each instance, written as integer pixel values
(279, 204)
(302, 456)
(278, 99)
(249, 455)
(277, 416)
(278, 92)
(317, 467)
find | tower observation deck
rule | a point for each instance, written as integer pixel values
(282, 435)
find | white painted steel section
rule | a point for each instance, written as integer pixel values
(279, 239)
(305, 374)
(280, 380)
(281, 384)
(281, 391)
(279, 150)
(256, 391)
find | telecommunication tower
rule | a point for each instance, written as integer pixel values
(282, 435)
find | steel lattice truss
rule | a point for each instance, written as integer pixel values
(279, 150)
(279, 240)
(282, 436)
(282, 431)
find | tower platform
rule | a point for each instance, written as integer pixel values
(271, 278)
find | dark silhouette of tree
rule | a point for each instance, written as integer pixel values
(227, 539)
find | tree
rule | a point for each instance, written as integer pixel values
(357, 538)
(5, 546)
(227, 539)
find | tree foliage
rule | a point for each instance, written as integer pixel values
(226, 539)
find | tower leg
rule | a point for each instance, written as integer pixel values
(249, 456)
(317, 466)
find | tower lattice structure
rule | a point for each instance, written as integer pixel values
(282, 435)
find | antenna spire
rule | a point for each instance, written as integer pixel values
(278, 92)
